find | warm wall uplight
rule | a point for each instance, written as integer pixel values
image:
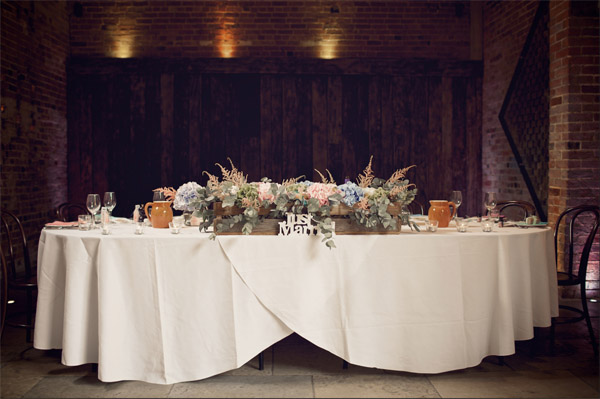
(122, 47)
(226, 48)
(327, 49)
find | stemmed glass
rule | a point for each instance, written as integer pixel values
(490, 202)
(456, 197)
(93, 205)
(110, 201)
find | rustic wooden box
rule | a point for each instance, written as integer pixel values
(339, 214)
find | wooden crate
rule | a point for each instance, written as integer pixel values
(339, 214)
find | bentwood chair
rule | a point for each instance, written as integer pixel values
(516, 210)
(68, 211)
(578, 223)
(20, 275)
(4, 294)
(415, 208)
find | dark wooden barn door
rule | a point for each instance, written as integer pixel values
(132, 129)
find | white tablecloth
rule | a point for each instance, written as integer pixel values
(166, 308)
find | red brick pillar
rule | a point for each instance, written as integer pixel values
(574, 145)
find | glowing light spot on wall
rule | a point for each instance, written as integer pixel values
(123, 47)
(327, 49)
(226, 48)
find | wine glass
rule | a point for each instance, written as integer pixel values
(456, 197)
(93, 205)
(490, 202)
(110, 201)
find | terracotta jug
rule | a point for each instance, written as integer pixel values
(440, 211)
(161, 214)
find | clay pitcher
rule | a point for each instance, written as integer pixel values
(440, 211)
(161, 214)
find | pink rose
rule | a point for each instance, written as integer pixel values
(321, 192)
(264, 194)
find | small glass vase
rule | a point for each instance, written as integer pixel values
(187, 218)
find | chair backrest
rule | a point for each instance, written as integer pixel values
(513, 210)
(68, 211)
(415, 207)
(14, 244)
(579, 221)
(4, 295)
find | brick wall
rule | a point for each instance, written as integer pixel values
(575, 113)
(35, 42)
(308, 29)
(506, 25)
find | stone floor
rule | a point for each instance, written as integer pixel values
(296, 368)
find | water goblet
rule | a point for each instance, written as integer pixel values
(110, 201)
(490, 202)
(456, 197)
(93, 205)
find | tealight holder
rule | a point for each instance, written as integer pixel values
(84, 222)
(105, 229)
(174, 228)
(487, 226)
(432, 225)
(461, 225)
(139, 228)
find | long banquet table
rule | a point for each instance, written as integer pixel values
(167, 308)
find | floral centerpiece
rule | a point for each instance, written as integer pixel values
(366, 202)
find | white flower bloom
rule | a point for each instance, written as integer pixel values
(369, 191)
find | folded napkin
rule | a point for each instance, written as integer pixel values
(59, 223)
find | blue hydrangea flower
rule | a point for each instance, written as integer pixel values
(186, 193)
(352, 193)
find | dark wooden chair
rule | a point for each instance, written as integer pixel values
(4, 294)
(68, 211)
(515, 210)
(577, 223)
(416, 208)
(14, 244)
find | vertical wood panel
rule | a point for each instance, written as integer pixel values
(166, 129)
(290, 121)
(418, 137)
(230, 121)
(459, 160)
(266, 132)
(402, 129)
(80, 165)
(355, 125)
(385, 165)
(197, 149)
(150, 160)
(472, 193)
(119, 147)
(319, 126)
(376, 148)
(304, 126)
(334, 127)
(271, 127)
(181, 129)
(137, 117)
(100, 135)
(249, 125)
(445, 151)
(434, 162)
